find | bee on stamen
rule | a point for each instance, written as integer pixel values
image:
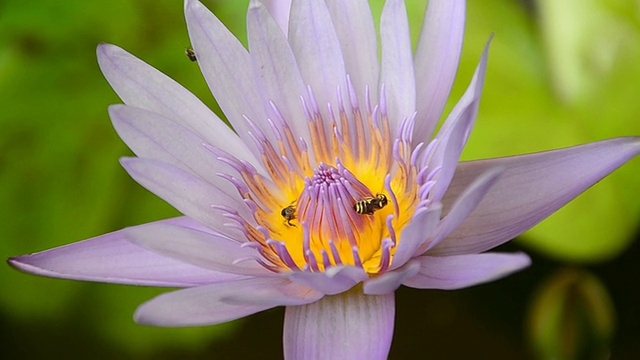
(191, 54)
(289, 213)
(369, 205)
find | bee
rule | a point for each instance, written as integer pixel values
(289, 213)
(191, 54)
(369, 205)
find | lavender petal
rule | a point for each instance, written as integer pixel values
(532, 187)
(140, 85)
(389, 281)
(185, 192)
(436, 62)
(358, 40)
(460, 271)
(226, 66)
(215, 304)
(112, 258)
(315, 45)
(397, 62)
(153, 136)
(455, 131)
(350, 325)
(275, 70)
(199, 248)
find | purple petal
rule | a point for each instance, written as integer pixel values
(465, 204)
(226, 66)
(456, 129)
(275, 70)
(420, 229)
(112, 258)
(153, 136)
(397, 62)
(317, 50)
(532, 187)
(333, 281)
(213, 304)
(358, 41)
(279, 10)
(350, 325)
(140, 85)
(199, 248)
(185, 192)
(460, 271)
(390, 281)
(436, 62)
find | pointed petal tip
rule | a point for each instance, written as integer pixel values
(192, 6)
(24, 264)
(106, 50)
(17, 263)
(255, 4)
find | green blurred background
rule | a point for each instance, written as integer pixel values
(560, 73)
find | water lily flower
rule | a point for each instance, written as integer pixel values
(330, 191)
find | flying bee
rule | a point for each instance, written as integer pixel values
(191, 54)
(369, 205)
(289, 213)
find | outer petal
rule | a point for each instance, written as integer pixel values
(465, 204)
(397, 62)
(315, 44)
(112, 258)
(276, 71)
(226, 66)
(420, 229)
(532, 187)
(358, 40)
(153, 136)
(388, 282)
(280, 10)
(436, 62)
(333, 281)
(350, 325)
(141, 85)
(222, 302)
(199, 248)
(460, 271)
(456, 129)
(187, 193)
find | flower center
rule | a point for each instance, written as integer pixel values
(341, 200)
